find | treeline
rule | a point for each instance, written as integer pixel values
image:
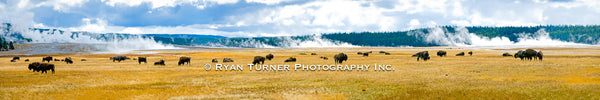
(6, 45)
(571, 33)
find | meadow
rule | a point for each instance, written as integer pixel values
(565, 73)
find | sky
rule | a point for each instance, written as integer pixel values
(255, 18)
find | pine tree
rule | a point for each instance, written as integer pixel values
(11, 46)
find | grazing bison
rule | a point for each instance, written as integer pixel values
(215, 60)
(141, 59)
(441, 53)
(341, 57)
(269, 56)
(48, 58)
(161, 62)
(530, 54)
(33, 66)
(16, 58)
(44, 67)
(359, 53)
(520, 54)
(470, 53)
(506, 54)
(69, 60)
(227, 60)
(291, 59)
(183, 60)
(382, 52)
(423, 55)
(461, 54)
(313, 53)
(325, 58)
(259, 60)
(365, 54)
(119, 58)
(26, 60)
(388, 53)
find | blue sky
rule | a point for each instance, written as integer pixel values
(250, 18)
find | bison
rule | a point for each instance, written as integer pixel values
(423, 55)
(313, 53)
(26, 60)
(269, 56)
(83, 59)
(161, 62)
(506, 54)
(359, 53)
(341, 57)
(183, 60)
(215, 60)
(119, 58)
(470, 53)
(441, 53)
(16, 58)
(530, 54)
(365, 54)
(461, 54)
(387, 53)
(44, 67)
(291, 59)
(141, 59)
(227, 60)
(324, 58)
(33, 66)
(259, 60)
(48, 58)
(69, 60)
(382, 52)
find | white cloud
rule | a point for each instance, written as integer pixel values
(201, 4)
(268, 2)
(62, 5)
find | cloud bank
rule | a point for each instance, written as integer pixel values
(252, 18)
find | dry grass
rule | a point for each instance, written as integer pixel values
(564, 74)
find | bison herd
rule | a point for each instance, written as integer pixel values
(44, 66)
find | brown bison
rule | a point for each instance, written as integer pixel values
(142, 59)
(227, 60)
(341, 57)
(461, 54)
(441, 53)
(423, 55)
(359, 53)
(43, 67)
(365, 54)
(470, 53)
(119, 58)
(16, 58)
(324, 58)
(313, 53)
(506, 54)
(382, 52)
(291, 59)
(13, 60)
(48, 58)
(215, 60)
(161, 62)
(183, 60)
(33, 66)
(269, 56)
(83, 59)
(259, 60)
(69, 60)
(26, 60)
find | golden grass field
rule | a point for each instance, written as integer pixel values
(565, 73)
